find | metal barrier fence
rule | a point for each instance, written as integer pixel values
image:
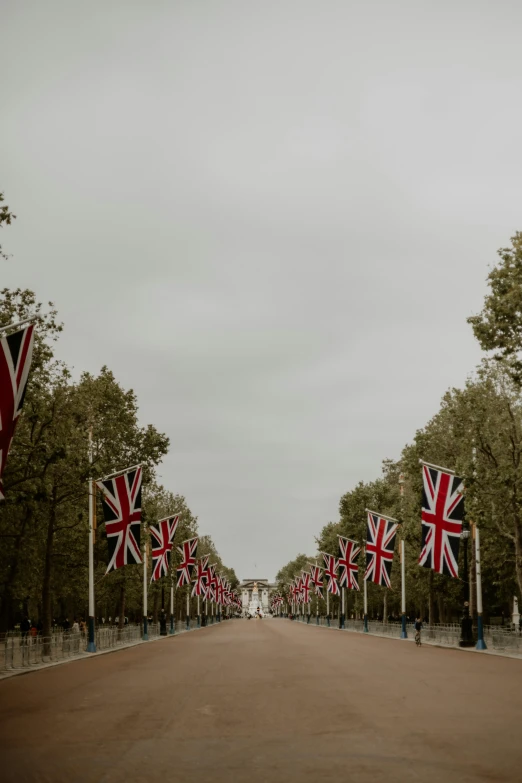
(502, 638)
(19, 651)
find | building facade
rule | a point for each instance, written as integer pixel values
(264, 590)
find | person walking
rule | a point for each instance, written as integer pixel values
(418, 628)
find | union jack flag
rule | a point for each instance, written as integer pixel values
(187, 550)
(121, 501)
(16, 353)
(220, 590)
(299, 590)
(161, 539)
(315, 574)
(348, 551)
(201, 577)
(381, 532)
(305, 587)
(442, 514)
(330, 571)
(212, 582)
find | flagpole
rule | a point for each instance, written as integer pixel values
(365, 595)
(327, 608)
(172, 604)
(145, 636)
(404, 632)
(188, 607)
(481, 644)
(91, 643)
(341, 619)
(199, 618)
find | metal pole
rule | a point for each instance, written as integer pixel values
(145, 596)
(341, 619)
(199, 616)
(365, 596)
(404, 632)
(481, 644)
(317, 610)
(171, 604)
(327, 608)
(91, 643)
(466, 624)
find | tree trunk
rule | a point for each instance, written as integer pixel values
(155, 607)
(442, 615)
(518, 556)
(385, 607)
(48, 570)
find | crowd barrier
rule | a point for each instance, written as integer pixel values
(18, 651)
(501, 638)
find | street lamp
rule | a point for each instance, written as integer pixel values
(466, 624)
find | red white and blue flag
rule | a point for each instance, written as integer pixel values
(121, 502)
(16, 353)
(202, 574)
(212, 582)
(380, 545)
(305, 587)
(187, 550)
(162, 536)
(348, 552)
(442, 515)
(317, 581)
(331, 573)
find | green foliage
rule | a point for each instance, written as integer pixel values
(44, 519)
(6, 218)
(499, 326)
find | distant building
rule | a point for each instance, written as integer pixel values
(264, 588)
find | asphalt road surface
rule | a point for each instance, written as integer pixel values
(266, 700)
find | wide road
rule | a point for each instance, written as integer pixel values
(266, 700)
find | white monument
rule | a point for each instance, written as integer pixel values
(254, 604)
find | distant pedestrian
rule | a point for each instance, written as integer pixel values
(75, 626)
(66, 625)
(33, 632)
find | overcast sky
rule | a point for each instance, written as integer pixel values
(269, 219)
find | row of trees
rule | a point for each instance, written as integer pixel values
(44, 519)
(478, 433)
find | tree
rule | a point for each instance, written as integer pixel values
(499, 326)
(6, 218)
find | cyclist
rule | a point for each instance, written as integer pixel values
(418, 628)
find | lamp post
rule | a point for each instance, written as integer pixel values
(466, 624)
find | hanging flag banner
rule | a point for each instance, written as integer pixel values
(199, 588)
(187, 550)
(442, 515)
(380, 545)
(316, 577)
(331, 573)
(305, 587)
(121, 502)
(162, 534)
(348, 552)
(16, 353)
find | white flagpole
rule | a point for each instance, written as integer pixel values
(172, 603)
(481, 644)
(188, 607)
(404, 633)
(327, 607)
(199, 618)
(91, 643)
(341, 624)
(365, 594)
(145, 596)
